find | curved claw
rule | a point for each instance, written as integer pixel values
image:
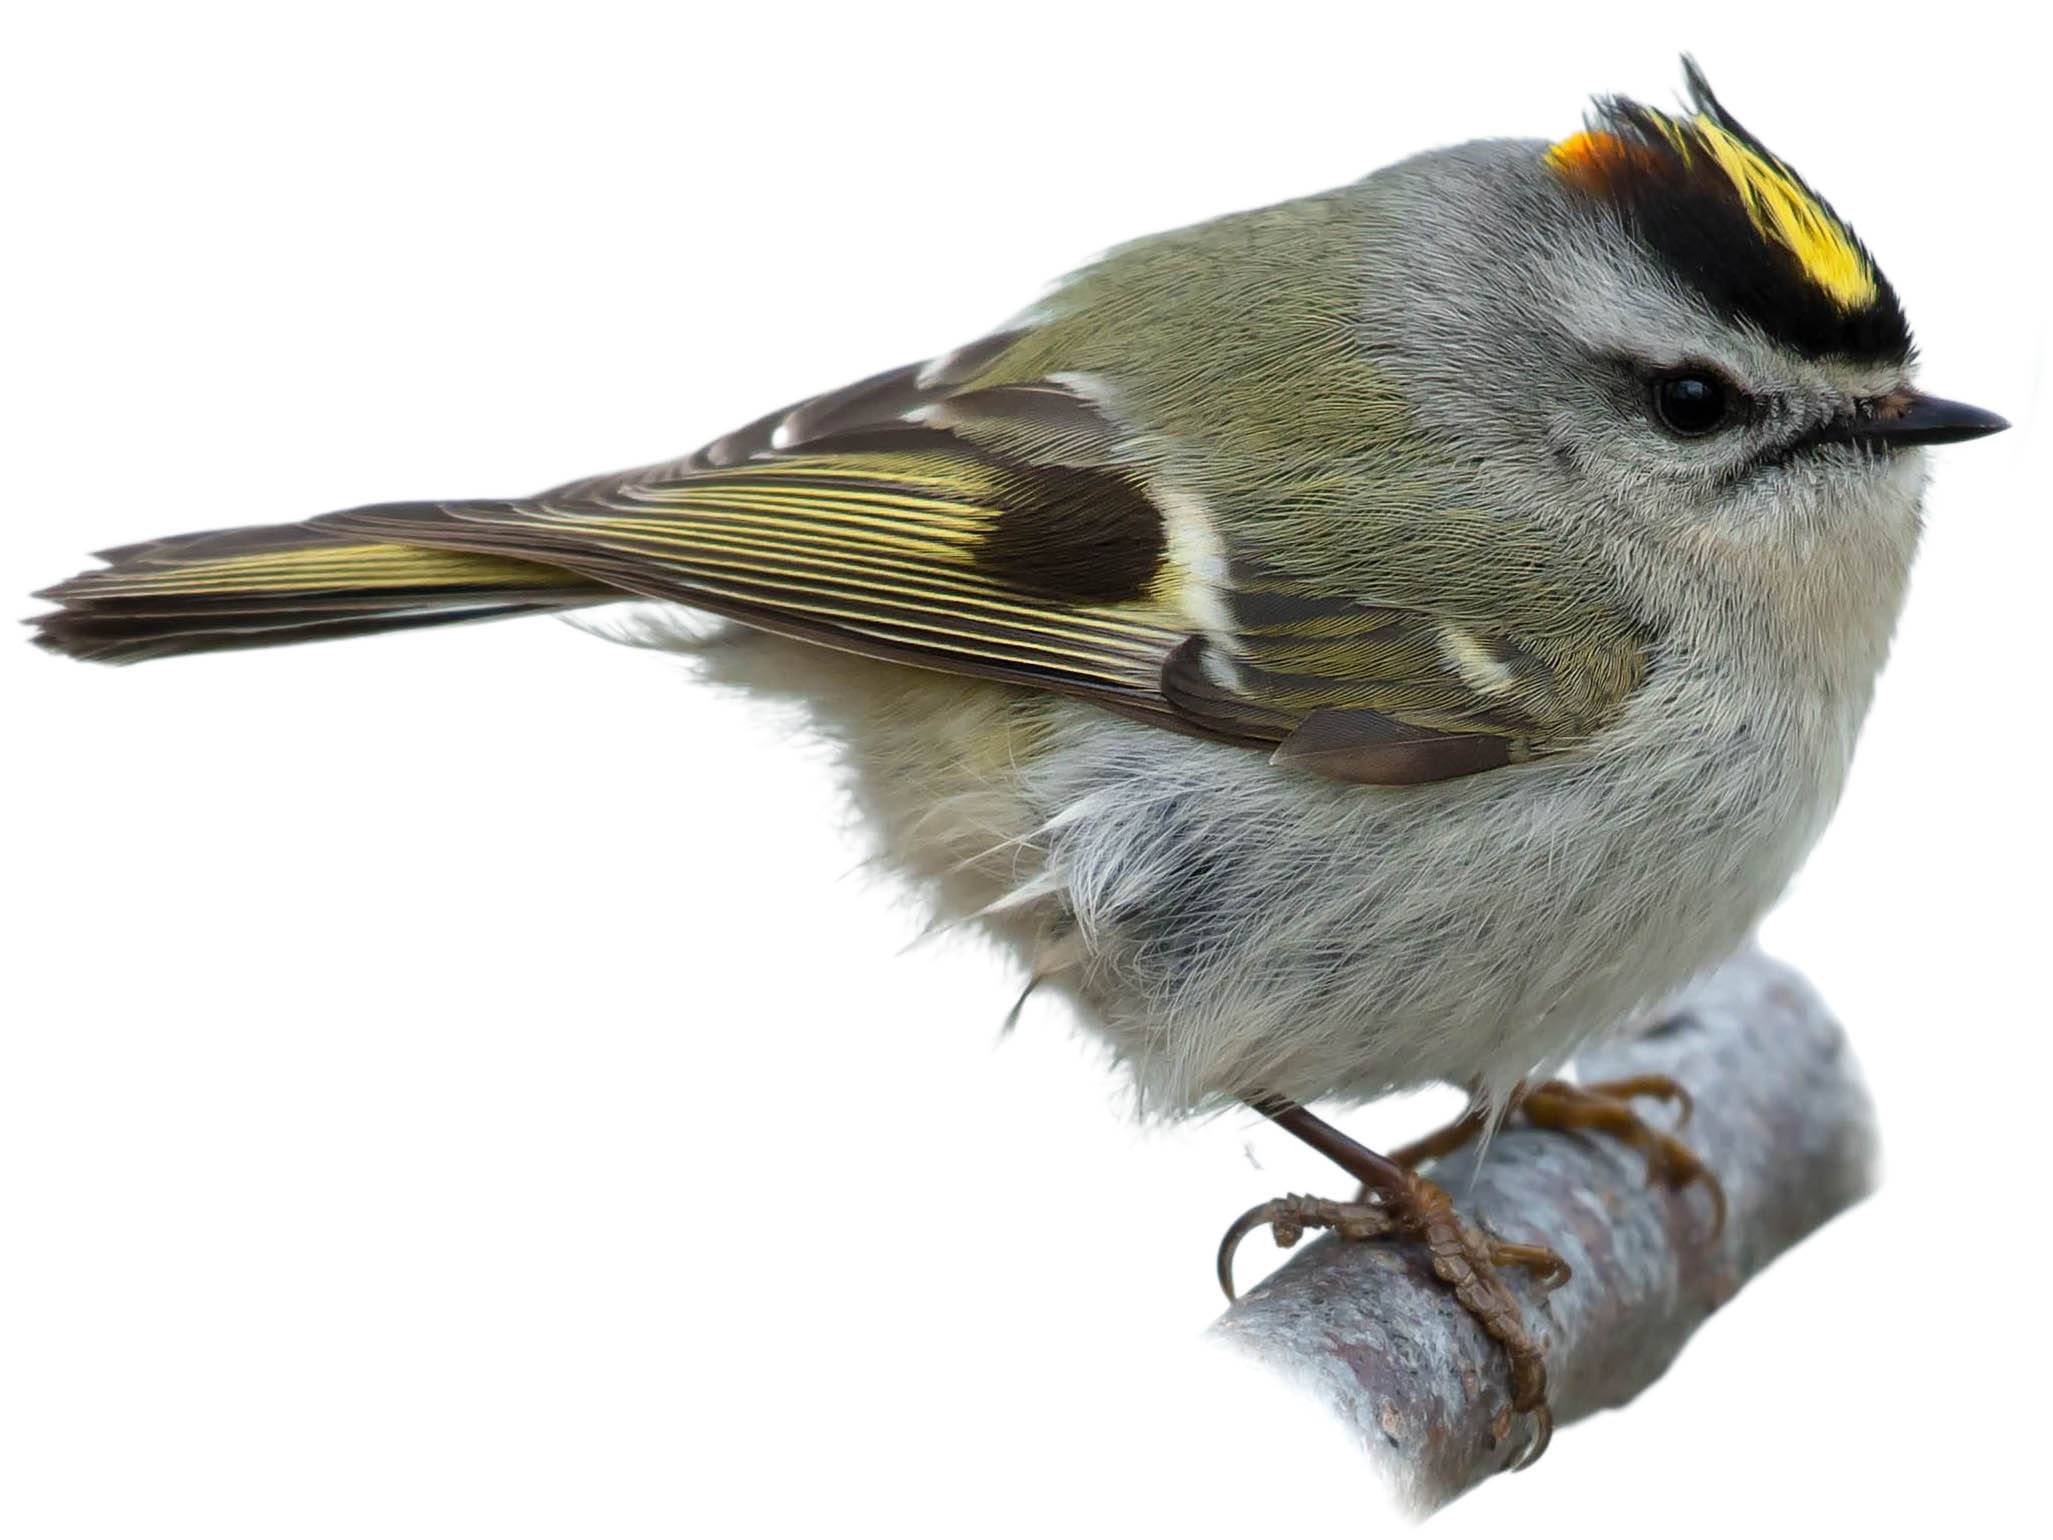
(1678, 1167)
(1717, 1191)
(1543, 1435)
(1289, 1216)
(1549, 1268)
(1463, 1257)
(1261, 1214)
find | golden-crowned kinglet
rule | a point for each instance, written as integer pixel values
(1380, 639)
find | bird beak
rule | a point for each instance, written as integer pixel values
(1907, 419)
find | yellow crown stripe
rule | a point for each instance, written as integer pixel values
(1780, 208)
(1783, 210)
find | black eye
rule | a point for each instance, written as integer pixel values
(1692, 402)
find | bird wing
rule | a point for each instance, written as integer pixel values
(1010, 532)
(841, 521)
(1389, 692)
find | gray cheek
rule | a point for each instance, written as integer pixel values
(1843, 495)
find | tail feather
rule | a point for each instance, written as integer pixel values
(274, 584)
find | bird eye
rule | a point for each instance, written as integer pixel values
(1692, 402)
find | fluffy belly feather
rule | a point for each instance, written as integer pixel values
(1231, 928)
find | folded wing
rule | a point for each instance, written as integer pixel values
(944, 516)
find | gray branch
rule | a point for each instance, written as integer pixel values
(1783, 1119)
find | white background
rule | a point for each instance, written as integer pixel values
(457, 1084)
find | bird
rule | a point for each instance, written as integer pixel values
(1387, 638)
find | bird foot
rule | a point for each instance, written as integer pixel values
(1605, 1107)
(1464, 1257)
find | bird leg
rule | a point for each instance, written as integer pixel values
(1397, 1203)
(1445, 1140)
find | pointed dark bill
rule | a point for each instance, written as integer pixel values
(1912, 419)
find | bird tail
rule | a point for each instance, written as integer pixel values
(271, 584)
